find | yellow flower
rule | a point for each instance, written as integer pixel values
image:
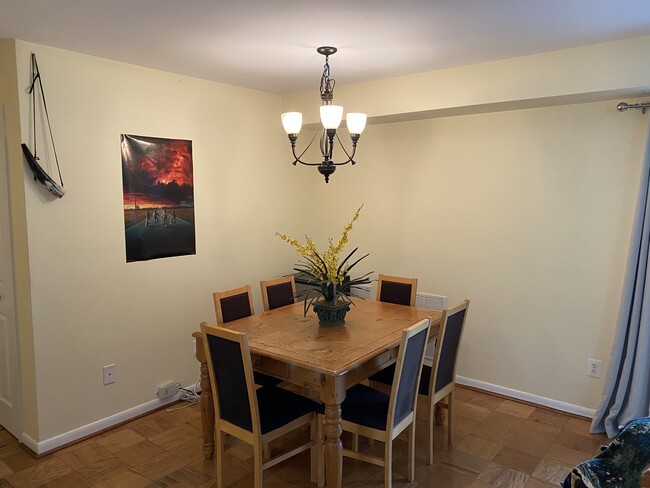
(327, 269)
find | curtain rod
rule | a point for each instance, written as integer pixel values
(623, 106)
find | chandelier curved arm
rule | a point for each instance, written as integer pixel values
(297, 159)
(350, 157)
(326, 150)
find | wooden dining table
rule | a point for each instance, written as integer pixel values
(323, 361)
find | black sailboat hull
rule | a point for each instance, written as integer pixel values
(40, 174)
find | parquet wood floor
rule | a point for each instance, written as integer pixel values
(497, 443)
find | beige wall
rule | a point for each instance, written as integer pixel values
(527, 213)
(91, 308)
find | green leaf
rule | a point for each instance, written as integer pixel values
(357, 261)
(338, 271)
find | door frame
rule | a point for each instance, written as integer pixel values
(13, 375)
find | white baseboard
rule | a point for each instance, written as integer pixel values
(527, 397)
(52, 443)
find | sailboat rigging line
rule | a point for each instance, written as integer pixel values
(36, 75)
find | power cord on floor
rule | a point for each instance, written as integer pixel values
(188, 395)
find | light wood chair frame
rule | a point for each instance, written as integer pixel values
(277, 281)
(220, 295)
(392, 431)
(398, 279)
(446, 391)
(254, 438)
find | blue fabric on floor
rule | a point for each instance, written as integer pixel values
(621, 464)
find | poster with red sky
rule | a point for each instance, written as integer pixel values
(158, 196)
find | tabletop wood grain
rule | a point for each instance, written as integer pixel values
(370, 328)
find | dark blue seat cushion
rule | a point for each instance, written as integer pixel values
(366, 406)
(385, 376)
(265, 380)
(278, 407)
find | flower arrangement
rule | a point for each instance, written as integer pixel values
(326, 277)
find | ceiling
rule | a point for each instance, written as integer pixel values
(271, 45)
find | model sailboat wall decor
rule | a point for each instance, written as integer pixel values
(32, 159)
(41, 175)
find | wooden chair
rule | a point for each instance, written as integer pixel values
(278, 292)
(255, 416)
(233, 304)
(236, 304)
(437, 382)
(373, 414)
(394, 289)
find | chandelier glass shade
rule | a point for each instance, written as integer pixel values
(330, 120)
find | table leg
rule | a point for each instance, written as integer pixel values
(333, 446)
(333, 394)
(207, 406)
(207, 413)
(439, 415)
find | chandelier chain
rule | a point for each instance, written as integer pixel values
(327, 84)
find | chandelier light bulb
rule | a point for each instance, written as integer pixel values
(331, 115)
(292, 122)
(356, 122)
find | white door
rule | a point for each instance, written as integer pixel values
(9, 395)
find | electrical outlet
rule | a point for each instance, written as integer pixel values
(165, 391)
(194, 346)
(594, 367)
(109, 374)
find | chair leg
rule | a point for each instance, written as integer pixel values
(450, 401)
(355, 442)
(431, 428)
(411, 451)
(218, 454)
(257, 465)
(388, 463)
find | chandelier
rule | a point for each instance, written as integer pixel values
(330, 119)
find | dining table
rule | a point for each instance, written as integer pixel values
(322, 361)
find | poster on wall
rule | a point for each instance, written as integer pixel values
(158, 196)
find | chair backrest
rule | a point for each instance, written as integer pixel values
(408, 368)
(450, 334)
(231, 376)
(278, 292)
(394, 289)
(233, 304)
